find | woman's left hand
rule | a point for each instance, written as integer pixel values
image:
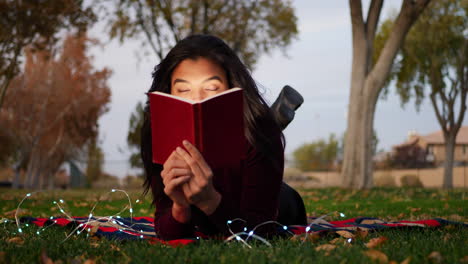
(199, 190)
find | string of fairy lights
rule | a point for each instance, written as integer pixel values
(244, 237)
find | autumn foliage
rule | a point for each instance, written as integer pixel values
(52, 110)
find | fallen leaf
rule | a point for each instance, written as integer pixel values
(361, 233)
(435, 257)
(455, 217)
(374, 242)
(376, 255)
(94, 244)
(392, 262)
(16, 240)
(45, 259)
(2, 257)
(345, 234)
(144, 211)
(401, 215)
(17, 212)
(464, 259)
(325, 247)
(447, 237)
(337, 240)
(114, 247)
(406, 261)
(89, 261)
(308, 237)
(415, 209)
(446, 206)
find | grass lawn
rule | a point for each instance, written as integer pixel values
(448, 244)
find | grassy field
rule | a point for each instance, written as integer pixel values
(438, 245)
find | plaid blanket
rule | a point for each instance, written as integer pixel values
(143, 227)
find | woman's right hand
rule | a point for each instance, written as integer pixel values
(175, 173)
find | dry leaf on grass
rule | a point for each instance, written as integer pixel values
(345, 234)
(94, 244)
(114, 247)
(12, 213)
(89, 261)
(45, 259)
(336, 241)
(406, 261)
(361, 233)
(374, 242)
(325, 247)
(308, 237)
(435, 257)
(376, 255)
(415, 210)
(16, 240)
(2, 257)
(464, 259)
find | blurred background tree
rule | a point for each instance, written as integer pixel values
(35, 23)
(319, 155)
(433, 63)
(53, 109)
(134, 138)
(250, 27)
(94, 161)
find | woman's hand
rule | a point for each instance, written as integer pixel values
(176, 172)
(199, 189)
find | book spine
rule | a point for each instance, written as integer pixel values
(197, 123)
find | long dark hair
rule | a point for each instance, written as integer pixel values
(256, 110)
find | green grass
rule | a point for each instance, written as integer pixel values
(390, 204)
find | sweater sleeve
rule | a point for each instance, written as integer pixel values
(262, 176)
(166, 227)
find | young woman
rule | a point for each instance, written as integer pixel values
(188, 194)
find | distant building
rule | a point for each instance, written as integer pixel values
(431, 148)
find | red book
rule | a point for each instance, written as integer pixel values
(214, 125)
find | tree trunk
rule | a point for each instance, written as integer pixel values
(367, 81)
(449, 159)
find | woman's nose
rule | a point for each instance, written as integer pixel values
(198, 95)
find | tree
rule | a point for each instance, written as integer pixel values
(367, 80)
(433, 63)
(54, 107)
(250, 27)
(34, 23)
(94, 162)
(134, 137)
(317, 156)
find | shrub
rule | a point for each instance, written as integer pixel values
(385, 180)
(410, 180)
(293, 174)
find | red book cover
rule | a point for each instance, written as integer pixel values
(214, 125)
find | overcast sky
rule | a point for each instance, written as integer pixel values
(318, 65)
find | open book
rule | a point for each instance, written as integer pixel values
(214, 125)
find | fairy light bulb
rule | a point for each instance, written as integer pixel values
(307, 229)
(342, 215)
(62, 201)
(285, 227)
(251, 233)
(28, 194)
(137, 201)
(229, 222)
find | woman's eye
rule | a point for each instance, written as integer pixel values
(182, 90)
(212, 88)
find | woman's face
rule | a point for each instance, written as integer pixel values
(198, 79)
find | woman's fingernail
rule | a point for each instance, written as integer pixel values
(185, 142)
